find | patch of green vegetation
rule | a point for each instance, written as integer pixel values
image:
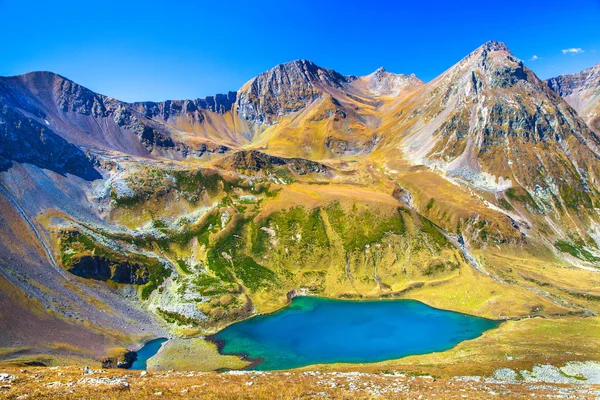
(284, 174)
(226, 201)
(357, 228)
(197, 181)
(227, 255)
(260, 240)
(157, 275)
(184, 267)
(126, 201)
(273, 193)
(434, 268)
(537, 282)
(182, 238)
(576, 250)
(295, 228)
(73, 243)
(159, 224)
(253, 275)
(430, 204)
(176, 318)
(439, 266)
(575, 198)
(433, 233)
(522, 196)
(505, 204)
(219, 265)
(209, 285)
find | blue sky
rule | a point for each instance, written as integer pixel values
(186, 49)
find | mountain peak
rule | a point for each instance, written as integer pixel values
(38, 77)
(492, 45)
(36, 74)
(285, 88)
(301, 63)
(489, 100)
(491, 63)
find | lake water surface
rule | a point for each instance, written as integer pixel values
(148, 350)
(315, 330)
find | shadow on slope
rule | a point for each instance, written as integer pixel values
(24, 140)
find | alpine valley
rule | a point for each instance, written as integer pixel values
(477, 192)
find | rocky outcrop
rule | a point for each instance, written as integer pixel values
(257, 161)
(104, 269)
(220, 104)
(284, 89)
(254, 160)
(342, 147)
(72, 97)
(124, 361)
(566, 85)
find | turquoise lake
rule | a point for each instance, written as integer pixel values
(147, 351)
(315, 330)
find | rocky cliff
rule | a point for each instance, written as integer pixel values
(171, 109)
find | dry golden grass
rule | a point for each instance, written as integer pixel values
(72, 383)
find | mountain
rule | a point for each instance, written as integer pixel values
(314, 112)
(384, 83)
(490, 123)
(482, 104)
(285, 88)
(582, 92)
(91, 120)
(475, 192)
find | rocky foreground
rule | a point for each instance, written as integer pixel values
(573, 381)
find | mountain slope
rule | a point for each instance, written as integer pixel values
(582, 92)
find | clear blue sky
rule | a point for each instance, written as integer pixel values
(157, 50)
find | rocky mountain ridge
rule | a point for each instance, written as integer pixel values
(582, 92)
